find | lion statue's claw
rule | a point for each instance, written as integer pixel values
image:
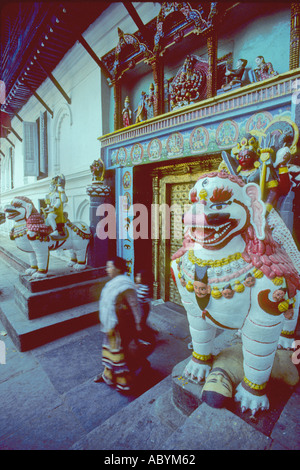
(79, 267)
(285, 343)
(249, 401)
(30, 271)
(38, 275)
(196, 372)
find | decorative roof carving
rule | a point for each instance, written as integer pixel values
(129, 50)
(174, 17)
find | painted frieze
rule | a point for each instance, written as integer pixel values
(193, 139)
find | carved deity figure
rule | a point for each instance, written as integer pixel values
(186, 85)
(235, 76)
(150, 102)
(127, 113)
(255, 166)
(263, 70)
(141, 110)
(55, 200)
(97, 169)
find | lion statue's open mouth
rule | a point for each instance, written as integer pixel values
(212, 234)
(11, 213)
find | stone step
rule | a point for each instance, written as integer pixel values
(13, 259)
(175, 307)
(153, 421)
(146, 423)
(29, 334)
(168, 319)
(38, 304)
(215, 429)
(60, 280)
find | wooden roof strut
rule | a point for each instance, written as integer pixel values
(39, 99)
(134, 15)
(16, 134)
(11, 143)
(88, 48)
(55, 82)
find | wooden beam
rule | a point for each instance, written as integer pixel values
(94, 56)
(14, 113)
(43, 103)
(212, 49)
(16, 134)
(11, 143)
(54, 81)
(142, 28)
(19, 117)
(38, 98)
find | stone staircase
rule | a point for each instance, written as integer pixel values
(35, 312)
(171, 416)
(153, 421)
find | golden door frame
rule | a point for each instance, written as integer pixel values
(162, 178)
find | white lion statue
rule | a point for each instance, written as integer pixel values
(232, 275)
(34, 236)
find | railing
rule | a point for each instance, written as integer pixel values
(279, 86)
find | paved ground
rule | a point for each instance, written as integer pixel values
(49, 400)
(48, 397)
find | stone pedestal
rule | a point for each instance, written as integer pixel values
(44, 310)
(40, 297)
(186, 395)
(98, 251)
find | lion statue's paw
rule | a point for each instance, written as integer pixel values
(38, 275)
(285, 343)
(249, 401)
(196, 372)
(30, 271)
(79, 267)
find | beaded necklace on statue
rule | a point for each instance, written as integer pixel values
(232, 272)
(18, 231)
(213, 263)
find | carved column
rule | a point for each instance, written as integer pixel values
(155, 237)
(295, 36)
(212, 48)
(118, 105)
(158, 77)
(99, 250)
